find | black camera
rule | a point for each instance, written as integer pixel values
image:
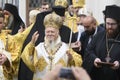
(66, 73)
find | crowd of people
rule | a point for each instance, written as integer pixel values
(59, 35)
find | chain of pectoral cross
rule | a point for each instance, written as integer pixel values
(51, 54)
(108, 58)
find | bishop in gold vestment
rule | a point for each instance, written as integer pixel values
(52, 51)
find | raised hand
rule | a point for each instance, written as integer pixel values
(34, 37)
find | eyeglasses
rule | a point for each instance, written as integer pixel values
(45, 8)
(111, 24)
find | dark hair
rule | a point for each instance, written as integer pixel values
(118, 22)
(45, 3)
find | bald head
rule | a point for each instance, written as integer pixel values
(89, 21)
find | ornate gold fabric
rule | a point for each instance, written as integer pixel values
(53, 20)
(78, 3)
(41, 64)
(63, 3)
(71, 22)
(30, 59)
(14, 44)
(38, 64)
(77, 59)
(61, 61)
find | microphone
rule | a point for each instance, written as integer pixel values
(114, 41)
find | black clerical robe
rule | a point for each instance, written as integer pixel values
(97, 49)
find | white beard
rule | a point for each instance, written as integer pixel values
(52, 45)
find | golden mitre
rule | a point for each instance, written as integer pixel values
(78, 3)
(63, 3)
(53, 20)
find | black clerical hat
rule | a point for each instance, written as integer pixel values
(11, 8)
(59, 10)
(17, 19)
(112, 11)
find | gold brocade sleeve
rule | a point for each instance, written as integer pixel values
(77, 59)
(29, 56)
(8, 64)
(13, 44)
(16, 43)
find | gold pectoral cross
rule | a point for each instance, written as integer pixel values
(51, 57)
(51, 61)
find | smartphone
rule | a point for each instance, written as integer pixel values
(66, 73)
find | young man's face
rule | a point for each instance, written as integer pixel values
(44, 8)
(1, 23)
(111, 26)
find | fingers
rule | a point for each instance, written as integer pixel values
(70, 57)
(76, 44)
(96, 61)
(35, 34)
(57, 68)
(3, 58)
(116, 65)
(35, 37)
(80, 73)
(21, 29)
(76, 73)
(53, 74)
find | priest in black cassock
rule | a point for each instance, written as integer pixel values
(24, 72)
(104, 49)
(14, 21)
